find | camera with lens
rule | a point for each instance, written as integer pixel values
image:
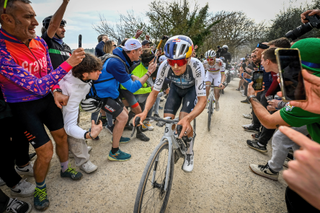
(314, 22)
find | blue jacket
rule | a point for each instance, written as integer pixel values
(113, 74)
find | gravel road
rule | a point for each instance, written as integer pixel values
(220, 182)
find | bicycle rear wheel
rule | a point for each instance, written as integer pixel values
(210, 111)
(151, 197)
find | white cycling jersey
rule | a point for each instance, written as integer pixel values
(216, 68)
(193, 76)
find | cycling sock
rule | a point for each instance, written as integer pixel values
(41, 185)
(64, 166)
(190, 149)
(114, 150)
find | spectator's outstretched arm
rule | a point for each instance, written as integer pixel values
(269, 121)
(303, 173)
(56, 19)
(40, 86)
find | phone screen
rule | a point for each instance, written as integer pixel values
(292, 84)
(257, 79)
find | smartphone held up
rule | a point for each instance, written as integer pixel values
(291, 80)
(257, 78)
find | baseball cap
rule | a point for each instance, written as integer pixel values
(146, 42)
(131, 44)
(310, 53)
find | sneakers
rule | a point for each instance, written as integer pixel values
(251, 128)
(27, 170)
(148, 126)
(2, 183)
(88, 167)
(256, 135)
(23, 189)
(110, 129)
(248, 116)
(144, 128)
(264, 171)
(285, 164)
(119, 156)
(217, 106)
(238, 89)
(71, 173)
(188, 163)
(72, 156)
(17, 206)
(254, 145)
(246, 125)
(122, 140)
(41, 202)
(245, 101)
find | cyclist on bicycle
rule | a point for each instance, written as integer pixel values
(215, 72)
(187, 87)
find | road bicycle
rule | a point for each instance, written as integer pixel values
(156, 181)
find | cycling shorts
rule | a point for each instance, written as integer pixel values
(129, 97)
(113, 106)
(216, 77)
(176, 96)
(31, 115)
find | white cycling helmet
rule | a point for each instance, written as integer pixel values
(91, 105)
(225, 46)
(210, 54)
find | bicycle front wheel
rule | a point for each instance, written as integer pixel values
(151, 196)
(210, 111)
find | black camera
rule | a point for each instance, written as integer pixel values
(314, 22)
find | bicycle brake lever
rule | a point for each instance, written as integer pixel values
(136, 123)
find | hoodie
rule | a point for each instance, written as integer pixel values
(114, 73)
(77, 90)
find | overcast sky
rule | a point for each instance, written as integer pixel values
(82, 14)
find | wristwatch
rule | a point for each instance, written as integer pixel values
(57, 90)
(251, 96)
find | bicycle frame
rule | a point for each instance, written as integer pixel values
(172, 146)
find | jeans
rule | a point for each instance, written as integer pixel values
(280, 145)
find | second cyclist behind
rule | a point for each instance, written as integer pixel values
(214, 71)
(187, 88)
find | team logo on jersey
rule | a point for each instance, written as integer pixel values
(159, 81)
(289, 107)
(202, 85)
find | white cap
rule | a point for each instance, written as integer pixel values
(162, 58)
(131, 44)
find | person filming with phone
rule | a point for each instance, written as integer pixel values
(294, 116)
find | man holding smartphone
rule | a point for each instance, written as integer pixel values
(289, 115)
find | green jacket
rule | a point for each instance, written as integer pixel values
(140, 71)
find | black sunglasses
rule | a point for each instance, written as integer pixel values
(262, 46)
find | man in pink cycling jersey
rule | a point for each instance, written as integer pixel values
(26, 78)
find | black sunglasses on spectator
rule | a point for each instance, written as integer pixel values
(262, 46)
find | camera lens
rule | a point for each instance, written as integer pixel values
(299, 31)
